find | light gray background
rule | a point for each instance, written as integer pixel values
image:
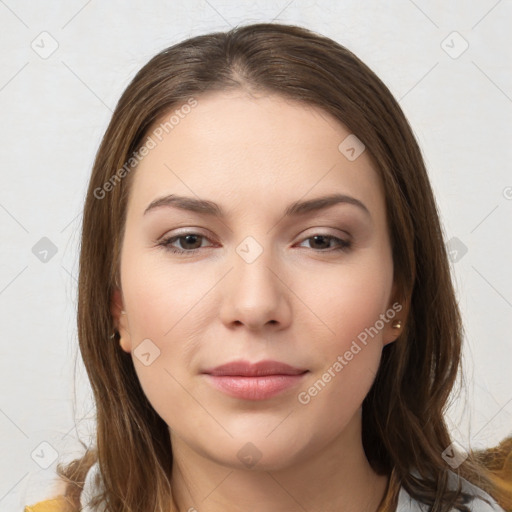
(54, 113)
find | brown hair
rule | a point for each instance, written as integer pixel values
(403, 424)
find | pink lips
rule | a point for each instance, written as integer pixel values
(258, 381)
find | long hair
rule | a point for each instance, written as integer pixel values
(403, 428)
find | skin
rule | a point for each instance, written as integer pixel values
(299, 302)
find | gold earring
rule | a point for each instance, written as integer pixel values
(396, 324)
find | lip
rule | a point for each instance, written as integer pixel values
(254, 381)
(261, 368)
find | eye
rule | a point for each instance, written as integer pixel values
(190, 239)
(191, 242)
(322, 240)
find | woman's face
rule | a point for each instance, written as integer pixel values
(265, 274)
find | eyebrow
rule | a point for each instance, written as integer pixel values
(295, 209)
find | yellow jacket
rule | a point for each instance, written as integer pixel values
(58, 504)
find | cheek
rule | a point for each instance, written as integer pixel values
(163, 303)
(349, 345)
(347, 301)
(332, 399)
(160, 296)
(159, 316)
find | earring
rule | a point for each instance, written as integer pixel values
(397, 324)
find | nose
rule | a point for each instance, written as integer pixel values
(255, 294)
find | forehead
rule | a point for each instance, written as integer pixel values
(264, 148)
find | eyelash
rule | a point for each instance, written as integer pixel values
(343, 245)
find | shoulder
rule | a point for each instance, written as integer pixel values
(60, 503)
(479, 500)
(57, 504)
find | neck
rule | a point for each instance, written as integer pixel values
(337, 478)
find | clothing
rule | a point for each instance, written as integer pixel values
(405, 502)
(58, 504)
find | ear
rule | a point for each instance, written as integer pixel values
(120, 320)
(396, 311)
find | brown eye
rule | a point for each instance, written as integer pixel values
(189, 243)
(322, 243)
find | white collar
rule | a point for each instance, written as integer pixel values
(93, 485)
(408, 504)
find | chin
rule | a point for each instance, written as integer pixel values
(258, 454)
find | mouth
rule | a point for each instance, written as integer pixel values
(254, 381)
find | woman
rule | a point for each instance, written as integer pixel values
(300, 354)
